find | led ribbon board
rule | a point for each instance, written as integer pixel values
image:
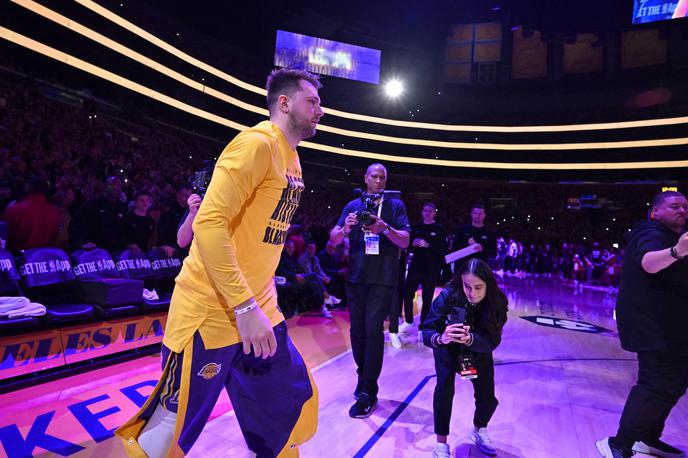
(658, 10)
(325, 57)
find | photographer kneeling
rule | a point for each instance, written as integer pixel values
(463, 327)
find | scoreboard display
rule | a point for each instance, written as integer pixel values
(326, 57)
(658, 10)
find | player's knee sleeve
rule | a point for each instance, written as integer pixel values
(157, 435)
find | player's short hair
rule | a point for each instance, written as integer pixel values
(285, 81)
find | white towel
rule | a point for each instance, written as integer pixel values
(33, 309)
(15, 307)
(9, 303)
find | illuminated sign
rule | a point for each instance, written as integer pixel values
(327, 57)
(669, 188)
(77, 415)
(658, 10)
(35, 352)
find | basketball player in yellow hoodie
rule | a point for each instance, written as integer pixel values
(224, 329)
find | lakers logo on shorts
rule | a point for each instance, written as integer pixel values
(210, 370)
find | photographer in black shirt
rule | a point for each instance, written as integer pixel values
(652, 313)
(463, 328)
(375, 245)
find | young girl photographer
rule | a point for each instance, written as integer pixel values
(463, 328)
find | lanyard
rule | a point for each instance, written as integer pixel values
(379, 207)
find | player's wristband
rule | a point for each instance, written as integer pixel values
(245, 309)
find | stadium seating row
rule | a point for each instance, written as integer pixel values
(90, 285)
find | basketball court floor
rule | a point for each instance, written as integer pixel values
(561, 380)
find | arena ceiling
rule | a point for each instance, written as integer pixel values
(111, 41)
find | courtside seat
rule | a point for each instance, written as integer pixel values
(137, 266)
(156, 305)
(67, 313)
(166, 270)
(99, 282)
(47, 278)
(9, 286)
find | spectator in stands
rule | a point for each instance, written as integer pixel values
(333, 264)
(63, 201)
(100, 222)
(511, 255)
(311, 265)
(299, 282)
(33, 222)
(501, 254)
(296, 235)
(138, 225)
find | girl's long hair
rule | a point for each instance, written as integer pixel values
(495, 301)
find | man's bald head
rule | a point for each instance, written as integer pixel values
(375, 178)
(374, 166)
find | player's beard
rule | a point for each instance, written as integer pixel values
(301, 125)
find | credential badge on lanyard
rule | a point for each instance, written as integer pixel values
(372, 241)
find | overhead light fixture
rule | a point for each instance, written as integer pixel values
(394, 88)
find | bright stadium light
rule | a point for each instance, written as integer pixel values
(394, 88)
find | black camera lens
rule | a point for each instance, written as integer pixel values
(366, 218)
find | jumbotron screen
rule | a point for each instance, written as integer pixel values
(658, 10)
(327, 57)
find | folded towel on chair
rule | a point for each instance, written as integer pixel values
(16, 306)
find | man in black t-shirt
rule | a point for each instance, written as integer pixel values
(371, 280)
(429, 247)
(476, 232)
(138, 226)
(100, 222)
(170, 220)
(652, 312)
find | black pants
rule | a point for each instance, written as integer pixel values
(662, 380)
(427, 277)
(446, 365)
(398, 300)
(369, 305)
(297, 297)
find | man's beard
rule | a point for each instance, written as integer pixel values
(302, 127)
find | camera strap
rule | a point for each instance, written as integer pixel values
(372, 241)
(467, 368)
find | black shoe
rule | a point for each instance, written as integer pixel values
(658, 448)
(364, 406)
(608, 449)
